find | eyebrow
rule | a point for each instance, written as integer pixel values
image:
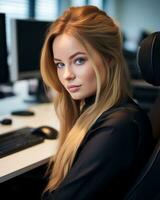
(71, 57)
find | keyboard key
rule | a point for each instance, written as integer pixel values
(17, 140)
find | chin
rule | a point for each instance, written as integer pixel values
(77, 97)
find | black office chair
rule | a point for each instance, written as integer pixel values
(147, 186)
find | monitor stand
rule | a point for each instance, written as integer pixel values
(6, 91)
(37, 93)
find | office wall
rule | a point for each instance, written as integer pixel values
(136, 15)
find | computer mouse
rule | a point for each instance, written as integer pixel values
(46, 132)
(22, 113)
(6, 121)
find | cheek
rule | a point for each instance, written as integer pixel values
(59, 74)
(90, 77)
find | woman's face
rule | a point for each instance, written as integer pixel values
(74, 67)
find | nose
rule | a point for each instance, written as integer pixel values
(68, 73)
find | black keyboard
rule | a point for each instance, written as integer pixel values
(17, 140)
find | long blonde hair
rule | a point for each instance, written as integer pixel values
(95, 30)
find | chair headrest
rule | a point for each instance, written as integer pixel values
(148, 58)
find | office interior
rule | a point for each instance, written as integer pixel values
(22, 31)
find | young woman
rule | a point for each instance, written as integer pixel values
(104, 137)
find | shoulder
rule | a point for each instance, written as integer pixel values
(120, 131)
(125, 121)
(128, 113)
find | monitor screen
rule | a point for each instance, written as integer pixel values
(4, 71)
(27, 40)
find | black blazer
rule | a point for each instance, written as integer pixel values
(112, 154)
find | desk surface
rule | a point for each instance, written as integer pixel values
(30, 158)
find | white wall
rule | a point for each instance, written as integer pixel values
(136, 15)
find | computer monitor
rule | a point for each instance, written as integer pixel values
(130, 57)
(4, 70)
(27, 38)
(26, 43)
(5, 83)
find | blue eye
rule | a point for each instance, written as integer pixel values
(80, 61)
(59, 65)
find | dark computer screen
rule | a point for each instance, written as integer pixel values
(27, 39)
(4, 71)
(131, 60)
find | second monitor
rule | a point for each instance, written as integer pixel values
(27, 39)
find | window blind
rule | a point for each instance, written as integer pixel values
(46, 10)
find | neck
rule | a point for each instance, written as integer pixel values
(88, 102)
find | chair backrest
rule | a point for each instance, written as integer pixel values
(147, 185)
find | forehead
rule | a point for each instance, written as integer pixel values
(65, 45)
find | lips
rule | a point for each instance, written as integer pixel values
(73, 88)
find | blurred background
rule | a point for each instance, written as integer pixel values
(23, 27)
(23, 24)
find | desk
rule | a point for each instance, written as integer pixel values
(32, 157)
